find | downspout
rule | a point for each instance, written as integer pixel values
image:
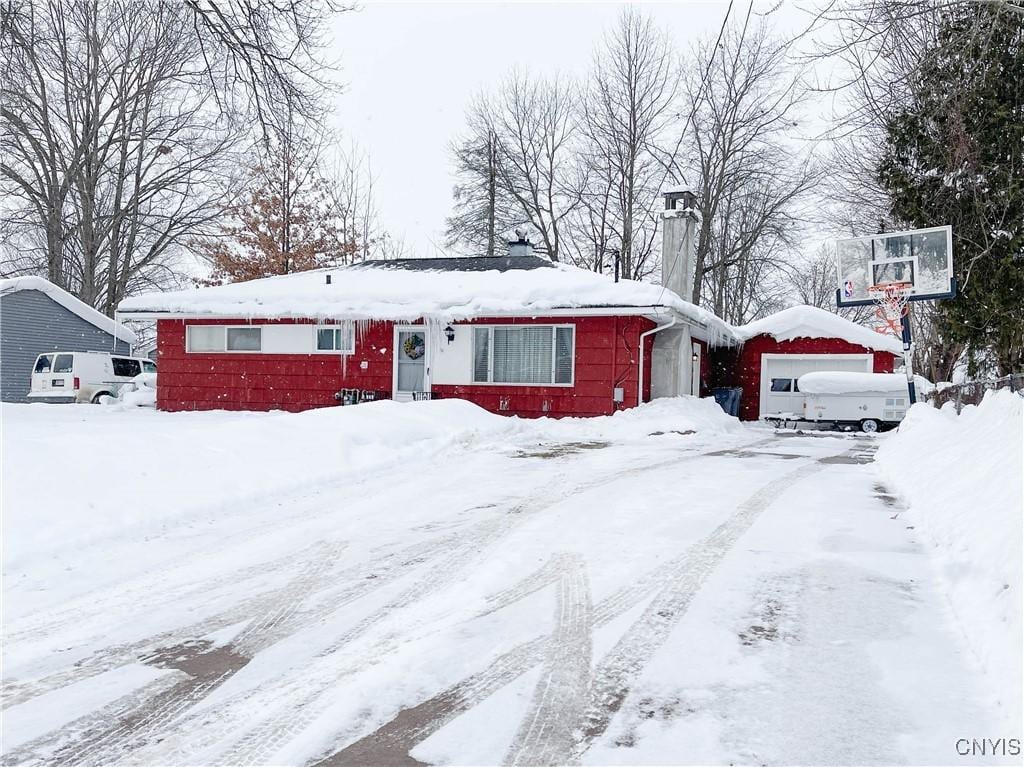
(643, 337)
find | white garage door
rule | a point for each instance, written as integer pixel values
(779, 374)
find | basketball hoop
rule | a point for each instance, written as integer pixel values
(892, 299)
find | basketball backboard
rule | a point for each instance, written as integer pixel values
(923, 258)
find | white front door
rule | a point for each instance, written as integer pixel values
(780, 372)
(411, 373)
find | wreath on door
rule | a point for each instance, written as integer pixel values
(414, 346)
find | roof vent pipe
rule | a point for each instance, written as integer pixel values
(521, 246)
(328, 279)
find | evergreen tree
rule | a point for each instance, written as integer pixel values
(483, 209)
(955, 156)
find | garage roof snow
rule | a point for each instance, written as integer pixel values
(811, 322)
(69, 302)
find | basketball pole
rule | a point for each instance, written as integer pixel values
(908, 360)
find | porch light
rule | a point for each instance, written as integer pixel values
(694, 357)
(449, 333)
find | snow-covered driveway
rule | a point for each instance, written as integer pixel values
(665, 598)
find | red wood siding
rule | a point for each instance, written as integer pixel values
(606, 356)
(747, 372)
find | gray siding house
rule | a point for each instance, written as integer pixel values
(35, 317)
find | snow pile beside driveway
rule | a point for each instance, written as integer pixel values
(962, 478)
(75, 475)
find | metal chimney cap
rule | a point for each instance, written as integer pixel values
(673, 196)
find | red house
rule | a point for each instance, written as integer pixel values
(515, 334)
(775, 351)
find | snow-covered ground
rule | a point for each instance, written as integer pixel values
(963, 477)
(389, 582)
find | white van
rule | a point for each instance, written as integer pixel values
(83, 376)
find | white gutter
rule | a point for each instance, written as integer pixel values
(643, 337)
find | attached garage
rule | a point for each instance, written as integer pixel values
(778, 349)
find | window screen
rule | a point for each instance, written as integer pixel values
(205, 338)
(481, 354)
(522, 355)
(244, 339)
(63, 363)
(533, 354)
(125, 367)
(563, 355)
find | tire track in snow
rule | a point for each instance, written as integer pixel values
(264, 740)
(107, 735)
(618, 670)
(673, 585)
(560, 695)
(113, 657)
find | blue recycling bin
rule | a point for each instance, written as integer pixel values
(728, 398)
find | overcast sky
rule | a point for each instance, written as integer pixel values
(409, 70)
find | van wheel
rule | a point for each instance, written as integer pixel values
(96, 399)
(869, 426)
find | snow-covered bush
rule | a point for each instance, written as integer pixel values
(962, 478)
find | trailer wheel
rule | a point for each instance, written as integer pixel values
(869, 426)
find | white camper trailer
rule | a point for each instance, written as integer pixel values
(867, 401)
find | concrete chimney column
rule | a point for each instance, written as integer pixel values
(680, 220)
(521, 246)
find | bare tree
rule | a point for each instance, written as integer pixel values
(116, 119)
(354, 201)
(813, 280)
(627, 106)
(753, 176)
(108, 158)
(265, 54)
(534, 123)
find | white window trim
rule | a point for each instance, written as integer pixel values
(346, 326)
(554, 355)
(308, 346)
(224, 339)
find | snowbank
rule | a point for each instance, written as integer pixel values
(835, 382)
(811, 322)
(141, 392)
(962, 478)
(120, 468)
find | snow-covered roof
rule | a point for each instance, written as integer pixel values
(829, 382)
(450, 292)
(811, 322)
(69, 302)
